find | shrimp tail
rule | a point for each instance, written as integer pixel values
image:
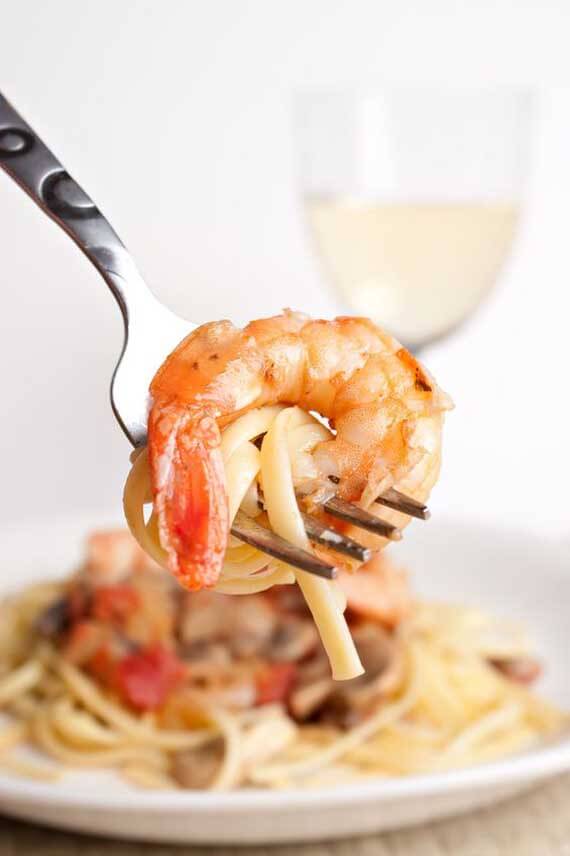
(190, 497)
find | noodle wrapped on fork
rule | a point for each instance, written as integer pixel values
(221, 391)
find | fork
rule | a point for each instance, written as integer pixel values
(151, 332)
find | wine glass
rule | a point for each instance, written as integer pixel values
(413, 197)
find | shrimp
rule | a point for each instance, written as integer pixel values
(111, 556)
(379, 591)
(384, 409)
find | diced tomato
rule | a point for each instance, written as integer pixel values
(274, 682)
(114, 603)
(146, 678)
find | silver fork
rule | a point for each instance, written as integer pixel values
(152, 331)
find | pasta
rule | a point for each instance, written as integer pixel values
(448, 706)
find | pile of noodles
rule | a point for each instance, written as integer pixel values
(451, 708)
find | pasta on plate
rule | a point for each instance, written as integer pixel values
(118, 667)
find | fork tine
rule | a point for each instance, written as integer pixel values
(359, 517)
(329, 537)
(392, 498)
(320, 533)
(246, 529)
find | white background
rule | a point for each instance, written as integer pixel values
(175, 115)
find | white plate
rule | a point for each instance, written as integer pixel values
(508, 573)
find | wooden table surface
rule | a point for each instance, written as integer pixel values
(537, 824)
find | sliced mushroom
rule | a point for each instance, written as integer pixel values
(252, 625)
(228, 684)
(204, 654)
(287, 599)
(314, 687)
(54, 620)
(244, 624)
(204, 617)
(383, 660)
(196, 769)
(381, 654)
(292, 640)
(306, 700)
(521, 670)
(315, 669)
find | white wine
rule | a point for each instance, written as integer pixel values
(417, 269)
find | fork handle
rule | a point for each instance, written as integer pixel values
(26, 158)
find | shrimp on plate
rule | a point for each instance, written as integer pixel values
(223, 385)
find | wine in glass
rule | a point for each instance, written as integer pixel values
(413, 197)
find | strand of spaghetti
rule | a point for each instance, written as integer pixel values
(285, 519)
(44, 733)
(227, 725)
(241, 470)
(303, 434)
(439, 701)
(242, 464)
(333, 776)
(257, 582)
(19, 681)
(241, 552)
(245, 568)
(247, 427)
(136, 494)
(541, 713)
(77, 726)
(301, 442)
(394, 760)
(250, 501)
(85, 690)
(506, 717)
(29, 770)
(504, 744)
(147, 777)
(254, 566)
(240, 454)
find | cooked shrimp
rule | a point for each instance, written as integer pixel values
(111, 556)
(378, 591)
(385, 410)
